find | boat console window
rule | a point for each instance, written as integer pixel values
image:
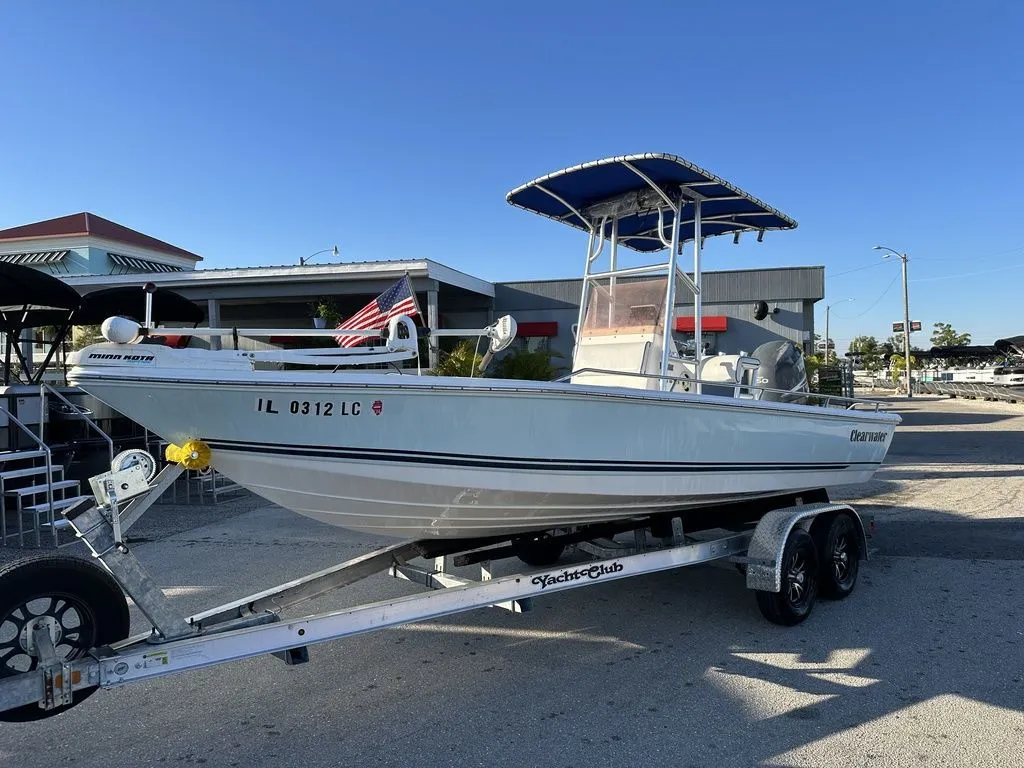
(625, 307)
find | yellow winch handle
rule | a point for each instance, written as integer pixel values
(195, 454)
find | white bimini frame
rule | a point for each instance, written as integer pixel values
(648, 203)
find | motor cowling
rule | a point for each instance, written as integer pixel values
(782, 368)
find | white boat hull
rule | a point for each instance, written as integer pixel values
(416, 457)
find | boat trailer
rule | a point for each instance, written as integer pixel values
(64, 621)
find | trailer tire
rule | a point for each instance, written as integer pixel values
(539, 551)
(85, 606)
(799, 588)
(839, 545)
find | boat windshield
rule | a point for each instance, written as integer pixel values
(626, 305)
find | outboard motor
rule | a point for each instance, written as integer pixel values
(782, 367)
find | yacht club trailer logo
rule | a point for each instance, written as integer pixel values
(590, 572)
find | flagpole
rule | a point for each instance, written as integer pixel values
(415, 301)
(419, 312)
(371, 314)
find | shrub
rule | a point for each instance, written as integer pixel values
(537, 365)
(461, 360)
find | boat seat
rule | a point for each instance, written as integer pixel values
(730, 370)
(720, 368)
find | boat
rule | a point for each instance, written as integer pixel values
(636, 428)
(1011, 372)
(1000, 364)
(960, 375)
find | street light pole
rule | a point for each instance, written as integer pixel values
(906, 329)
(906, 316)
(305, 259)
(828, 308)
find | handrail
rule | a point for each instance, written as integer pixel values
(262, 332)
(735, 385)
(46, 452)
(44, 388)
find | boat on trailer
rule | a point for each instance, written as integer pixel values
(641, 460)
(1011, 373)
(636, 427)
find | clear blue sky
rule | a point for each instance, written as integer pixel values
(259, 132)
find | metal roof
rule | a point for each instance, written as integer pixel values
(90, 224)
(636, 190)
(310, 273)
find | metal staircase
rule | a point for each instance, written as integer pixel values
(33, 488)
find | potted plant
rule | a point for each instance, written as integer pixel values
(325, 312)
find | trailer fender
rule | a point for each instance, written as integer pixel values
(764, 556)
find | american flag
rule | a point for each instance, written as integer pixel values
(396, 300)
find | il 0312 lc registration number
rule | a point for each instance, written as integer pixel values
(275, 406)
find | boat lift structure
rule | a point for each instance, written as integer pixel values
(64, 621)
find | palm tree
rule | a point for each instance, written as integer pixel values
(461, 360)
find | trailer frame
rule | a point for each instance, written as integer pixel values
(253, 625)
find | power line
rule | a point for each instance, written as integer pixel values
(928, 259)
(858, 269)
(968, 274)
(973, 258)
(875, 302)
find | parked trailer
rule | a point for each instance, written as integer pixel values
(972, 390)
(64, 620)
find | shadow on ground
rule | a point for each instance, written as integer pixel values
(936, 419)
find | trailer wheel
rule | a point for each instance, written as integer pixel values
(839, 545)
(539, 550)
(794, 601)
(79, 602)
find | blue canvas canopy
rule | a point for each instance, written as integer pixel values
(634, 188)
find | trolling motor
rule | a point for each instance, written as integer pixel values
(501, 333)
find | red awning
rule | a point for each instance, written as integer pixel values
(530, 330)
(177, 342)
(709, 323)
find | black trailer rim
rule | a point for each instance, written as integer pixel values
(841, 559)
(796, 579)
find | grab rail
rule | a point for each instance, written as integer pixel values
(828, 399)
(43, 389)
(38, 440)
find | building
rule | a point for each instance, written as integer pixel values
(549, 308)
(742, 308)
(283, 296)
(87, 244)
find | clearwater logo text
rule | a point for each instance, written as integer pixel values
(856, 436)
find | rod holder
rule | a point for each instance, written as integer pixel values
(150, 289)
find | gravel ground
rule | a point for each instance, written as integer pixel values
(923, 665)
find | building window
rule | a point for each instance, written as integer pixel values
(709, 340)
(532, 343)
(535, 336)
